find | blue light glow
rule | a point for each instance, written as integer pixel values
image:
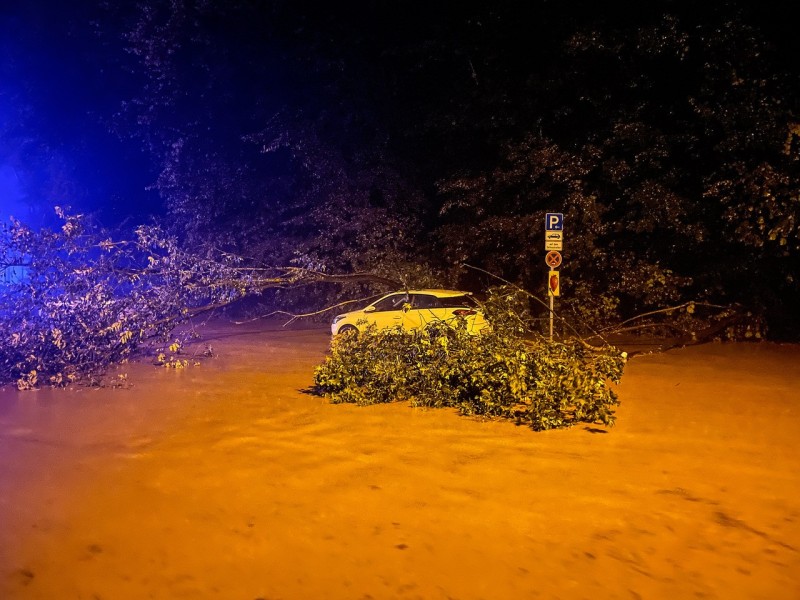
(11, 204)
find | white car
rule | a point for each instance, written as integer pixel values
(414, 309)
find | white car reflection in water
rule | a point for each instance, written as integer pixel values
(414, 309)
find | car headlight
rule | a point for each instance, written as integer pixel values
(337, 318)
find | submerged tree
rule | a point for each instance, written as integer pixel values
(509, 372)
(84, 300)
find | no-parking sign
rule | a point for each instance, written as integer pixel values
(553, 259)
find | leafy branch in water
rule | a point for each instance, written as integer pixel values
(82, 300)
(508, 372)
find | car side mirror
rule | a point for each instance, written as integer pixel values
(406, 307)
(369, 309)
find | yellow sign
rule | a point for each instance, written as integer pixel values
(554, 240)
(553, 284)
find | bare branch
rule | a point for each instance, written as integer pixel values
(294, 316)
(668, 310)
(547, 307)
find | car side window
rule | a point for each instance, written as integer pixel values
(425, 301)
(393, 302)
(459, 302)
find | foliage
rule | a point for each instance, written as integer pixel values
(298, 175)
(80, 299)
(84, 300)
(670, 145)
(508, 372)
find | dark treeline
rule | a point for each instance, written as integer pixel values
(408, 139)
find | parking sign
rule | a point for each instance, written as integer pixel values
(554, 222)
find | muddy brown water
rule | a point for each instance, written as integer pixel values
(226, 480)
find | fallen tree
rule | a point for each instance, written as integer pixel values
(509, 372)
(80, 300)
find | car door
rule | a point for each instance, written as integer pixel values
(424, 309)
(389, 311)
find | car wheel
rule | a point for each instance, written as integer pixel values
(348, 329)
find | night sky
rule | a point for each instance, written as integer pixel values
(67, 69)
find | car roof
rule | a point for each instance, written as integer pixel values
(439, 293)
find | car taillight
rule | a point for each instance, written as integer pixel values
(464, 312)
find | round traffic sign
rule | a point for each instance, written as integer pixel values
(553, 259)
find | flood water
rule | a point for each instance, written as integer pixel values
(227, 480)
